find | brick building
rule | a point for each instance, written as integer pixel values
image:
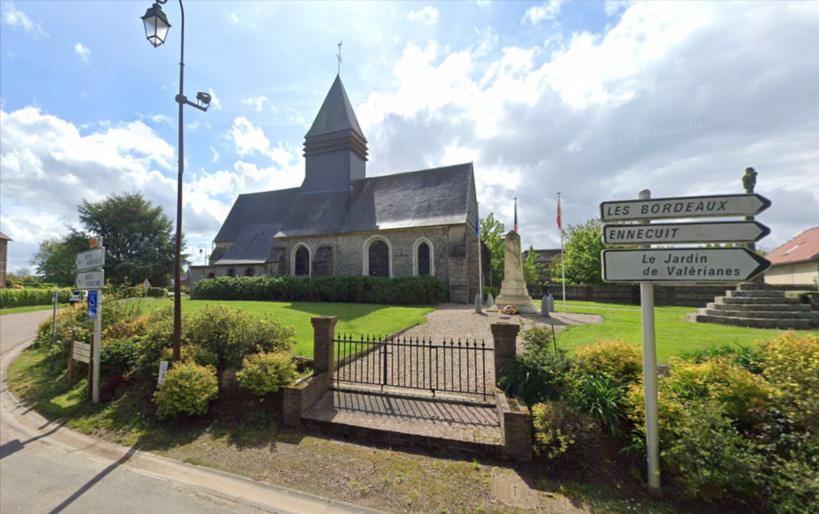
(340, 222)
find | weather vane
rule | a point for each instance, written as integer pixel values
(339, 57)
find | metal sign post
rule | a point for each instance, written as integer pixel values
(647, 265)
(54, 314)
(91, 276)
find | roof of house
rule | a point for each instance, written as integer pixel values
(437, 196)
(544, 256)
(803, 247)
(5, 237)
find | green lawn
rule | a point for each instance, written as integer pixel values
(29, 308)
(353, 318)
(674, 334)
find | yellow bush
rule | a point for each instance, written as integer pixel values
(791, 364)
(616, 360)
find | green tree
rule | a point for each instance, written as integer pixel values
(55, 258)
(582, 254)
(532, 269)
(492, 232)
(138, 238)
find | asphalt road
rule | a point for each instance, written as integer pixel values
(47, 469)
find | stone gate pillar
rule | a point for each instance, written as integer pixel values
(505, 336)
(323, 355)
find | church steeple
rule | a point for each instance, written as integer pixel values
(335, 148)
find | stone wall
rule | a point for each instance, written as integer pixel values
(687, 296)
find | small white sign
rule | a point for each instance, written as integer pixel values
(90, 259)
(146, 284)
(673, 233)
(716, 206)
(90, 279)
(682, 265)
(82, 352)
(163, 369)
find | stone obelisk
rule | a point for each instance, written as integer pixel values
(513, 288)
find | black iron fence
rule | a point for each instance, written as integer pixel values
(454, 366)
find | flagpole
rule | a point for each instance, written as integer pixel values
(562, 256)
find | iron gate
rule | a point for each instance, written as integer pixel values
(454, 366)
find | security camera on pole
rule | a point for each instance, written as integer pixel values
(91, 277)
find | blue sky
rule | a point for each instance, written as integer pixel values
(593, 99)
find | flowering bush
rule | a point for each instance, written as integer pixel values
(264, 373)
(187, 389)
(617, 361)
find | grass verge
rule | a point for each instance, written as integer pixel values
(674, 334)
(29, 308)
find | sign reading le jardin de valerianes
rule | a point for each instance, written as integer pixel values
(683, 264)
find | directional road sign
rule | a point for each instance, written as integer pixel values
(90, 279)
(694, 232)
(716, 206)
(90, 259)
(682, 265)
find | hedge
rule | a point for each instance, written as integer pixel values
(31, 296)
(355, 289)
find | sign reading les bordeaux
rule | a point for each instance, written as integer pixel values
(686, 207)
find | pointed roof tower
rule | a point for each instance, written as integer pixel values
(335, 148)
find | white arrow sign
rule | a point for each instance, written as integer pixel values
(703, 232)
(90, 259)
(716, 206)
(90, 279)
(682, 265)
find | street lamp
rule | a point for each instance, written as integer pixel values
(156, 30)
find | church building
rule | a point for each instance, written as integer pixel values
(341, 222)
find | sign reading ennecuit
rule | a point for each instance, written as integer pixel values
(694, 232)
(94, 258)
(90, 279)
(682, 265)
(715, 206)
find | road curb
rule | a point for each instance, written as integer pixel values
(214, 482)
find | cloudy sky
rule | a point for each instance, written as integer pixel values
(596, 100)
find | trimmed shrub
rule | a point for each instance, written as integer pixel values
(156, 292)
(355, 289)
(749, 357)
(264, 373)
(560, 431)
(616, 361)
(119, 356)
(187, 389)
(31, 296)
(791, 364)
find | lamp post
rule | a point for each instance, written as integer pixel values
(156, 29)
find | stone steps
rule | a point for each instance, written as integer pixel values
(760, 314)
(769, 307)
(777, 323)
(757, 305)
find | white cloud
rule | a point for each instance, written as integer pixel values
(257, 102)
(193, 125)
(545, 11)
(155, 118)
(14, 17)
(214, 100)
(82, 51)
(427, 15)
(234, 18)
(668, 97)
(214, 155)
(248, 140)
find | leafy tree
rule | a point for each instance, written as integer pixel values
(55, 258)
(532, 269)
(582, 254)
(137, 235)
(492, 232)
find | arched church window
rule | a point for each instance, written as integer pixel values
(231, 272)
(379, 259)
(302, 262)
(423, 259)
(249, 272)
(211, 275)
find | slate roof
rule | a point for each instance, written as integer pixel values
(5, 237)
(336, 113)
(804, 247)
(437, 196)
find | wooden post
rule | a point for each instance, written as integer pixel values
(71, 365)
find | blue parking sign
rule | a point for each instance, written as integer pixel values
(93, 303)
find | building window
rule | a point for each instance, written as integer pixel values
(377, 256)
(423, 257)
(211, 275)
(231, 272)
(300, 259)
(249, 272)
